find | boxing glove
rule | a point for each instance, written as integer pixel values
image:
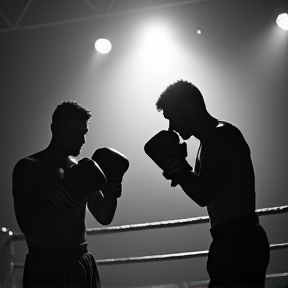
(166, 151)
(78, 182)
(114, 164)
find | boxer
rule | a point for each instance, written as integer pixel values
(51, 191)
(222, 180)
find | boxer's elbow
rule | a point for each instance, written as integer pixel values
(104, 219)
(204, 202)
(196, 189)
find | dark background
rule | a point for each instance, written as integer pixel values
(240, 64)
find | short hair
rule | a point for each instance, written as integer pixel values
(68, 109)
(180, 91)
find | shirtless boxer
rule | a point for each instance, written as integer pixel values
(222, 180)
(51, 192)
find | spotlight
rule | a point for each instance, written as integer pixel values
(282, 21)
(4, 229)
(282, 14)
(103, 46)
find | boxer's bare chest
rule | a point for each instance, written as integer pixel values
(49, 178)
(70, 228)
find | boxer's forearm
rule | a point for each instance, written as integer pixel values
(195, 189)
(103, 209)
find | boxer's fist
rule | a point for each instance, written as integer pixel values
(78, 182)
(114, 164)
(86, 177)
(166, 151)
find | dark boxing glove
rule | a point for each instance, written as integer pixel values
(166, 151)
(78, 182)
(114, 165)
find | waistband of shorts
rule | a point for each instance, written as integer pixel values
(57, 253)
(237, 225)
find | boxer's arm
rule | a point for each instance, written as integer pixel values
(32, 210)
(222, 164)
(211, 182)
(102, 208)
(196, 188)
(114, 164)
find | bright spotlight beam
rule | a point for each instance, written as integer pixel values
(103, 46)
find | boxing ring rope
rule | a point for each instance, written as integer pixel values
(162, 224)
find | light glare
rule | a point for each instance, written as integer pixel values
(103, 46)
(282, 21)
(155, 37)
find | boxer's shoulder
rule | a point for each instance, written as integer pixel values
(32, 166)
(27, 164)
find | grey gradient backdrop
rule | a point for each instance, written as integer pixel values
(240, 63)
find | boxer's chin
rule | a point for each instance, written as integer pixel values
(75, 152)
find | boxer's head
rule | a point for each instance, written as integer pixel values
(183, 105)
(69, 126)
